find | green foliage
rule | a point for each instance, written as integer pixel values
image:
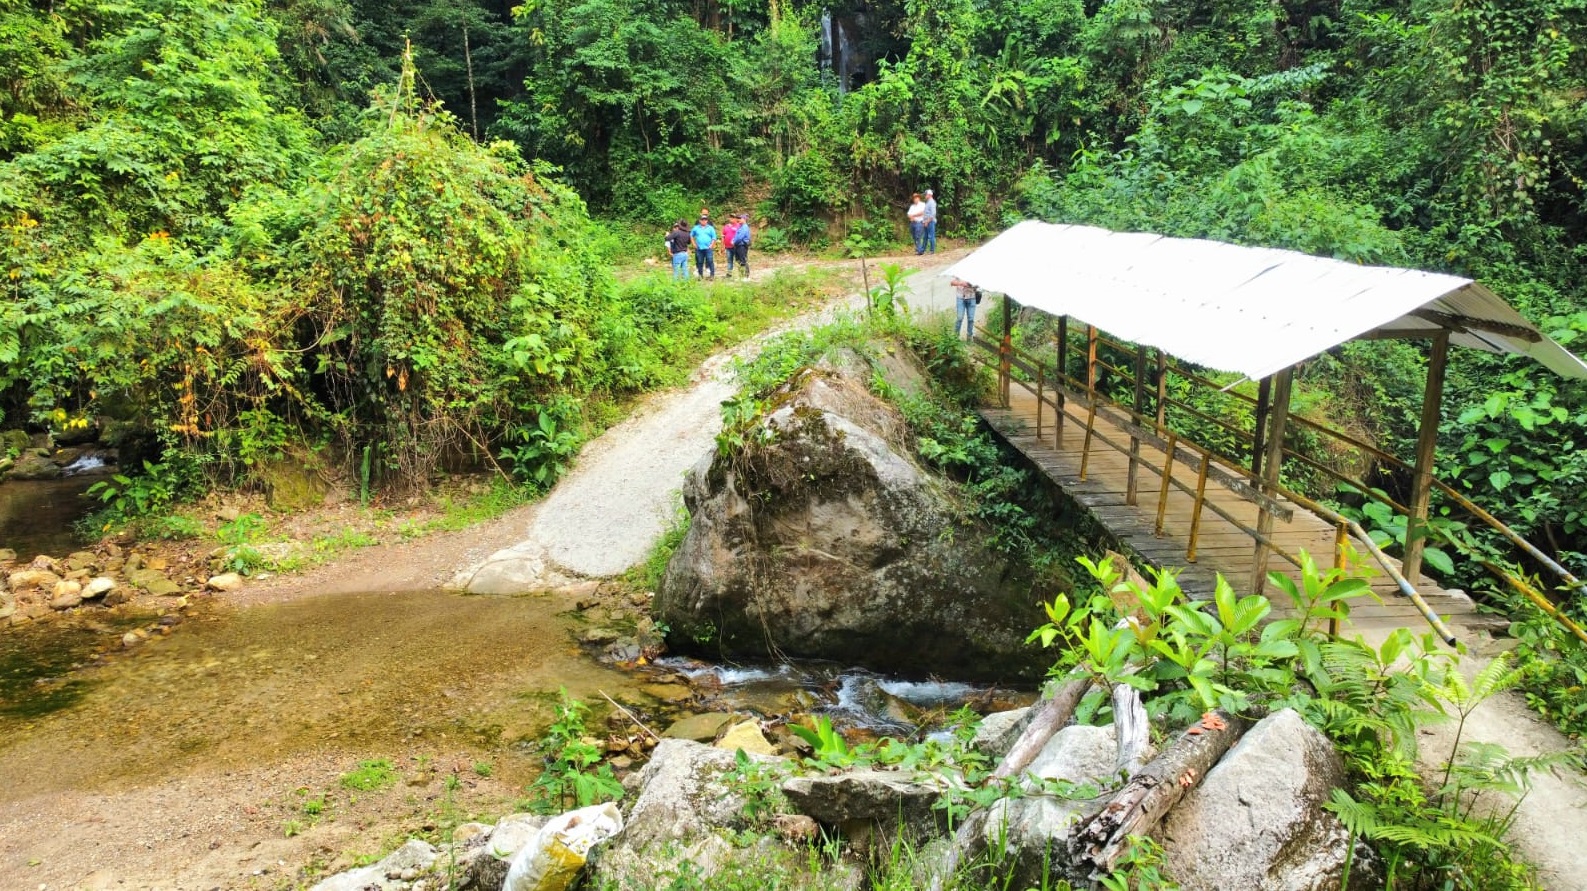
(574, 774)
(1189, 656)
(127, 498)
(371, 775)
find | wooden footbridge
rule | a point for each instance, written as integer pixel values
(1116, 423)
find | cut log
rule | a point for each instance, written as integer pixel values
(1102, 839)
(1051, 716)
(1132, 728)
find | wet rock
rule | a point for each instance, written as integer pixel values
(825, 539)
(118, 596)
(226, 581)
(33, 466)
(8, 605)
(25, 579)
(77, 434)
(7, 555)
(169, 620)
(66, 595)
(98, 587)
(81, 560)
(746, 736)
(701, 728)
(14, 440)
(668, 693)
(1257, 821)
(133, 638)
(153, 581)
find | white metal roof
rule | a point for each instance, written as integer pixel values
(1253, 311)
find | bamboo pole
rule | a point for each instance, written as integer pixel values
(1272, 463)
(1201, 499)
(1426, 450)
(1168, 478)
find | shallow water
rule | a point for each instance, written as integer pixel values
(366, 672)
(36, 516)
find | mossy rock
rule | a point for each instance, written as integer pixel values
(294, 482)
(13, 442)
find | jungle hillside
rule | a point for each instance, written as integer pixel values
(382, 236)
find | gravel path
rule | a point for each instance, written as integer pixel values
(605, 516)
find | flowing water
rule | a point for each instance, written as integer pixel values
(366, 673)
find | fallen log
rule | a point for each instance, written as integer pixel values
(1051, 716)
(1102, 839)
(1132, 728)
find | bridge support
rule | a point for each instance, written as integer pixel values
(1272, 463)
(1426, 446)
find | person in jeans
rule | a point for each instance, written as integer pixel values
(930, 220)
(738, 245)
(704, 237)
(728, 229)
(917, 222)
(965, 308)
(678, 249)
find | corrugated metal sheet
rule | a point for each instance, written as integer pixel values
(1252, 311)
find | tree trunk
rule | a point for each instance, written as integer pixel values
(1102, 839)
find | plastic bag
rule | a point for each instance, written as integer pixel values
(552, 860)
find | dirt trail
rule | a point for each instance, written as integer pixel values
(606, 515)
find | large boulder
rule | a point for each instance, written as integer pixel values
(1257, 822)
(822, 537)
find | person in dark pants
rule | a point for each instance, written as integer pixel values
(704, 237)
(740, 245)
(917, 222)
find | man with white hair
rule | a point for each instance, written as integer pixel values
(931, 222)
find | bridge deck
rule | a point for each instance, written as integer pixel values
(1222, 547)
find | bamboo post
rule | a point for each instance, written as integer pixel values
(1040, 398)
(1168, 477)
(1135, 441)
(1091, 360)
(1272, 463)
(1341, 534)
(1426, 449)
(1162, 392)
(1006, 349)
(1264, 398)
(1062, 378)
(1201, 497)
(1085, 446)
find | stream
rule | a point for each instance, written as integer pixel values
(368, 674)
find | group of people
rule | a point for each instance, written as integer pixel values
(923, 221)
(735, 239)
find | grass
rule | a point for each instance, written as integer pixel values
(370, 776)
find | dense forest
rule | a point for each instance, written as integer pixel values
(242, 228)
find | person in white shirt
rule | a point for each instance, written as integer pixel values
(917, 222)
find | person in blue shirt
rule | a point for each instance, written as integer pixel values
(704, 237)
(740, 246)
(930, 220)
